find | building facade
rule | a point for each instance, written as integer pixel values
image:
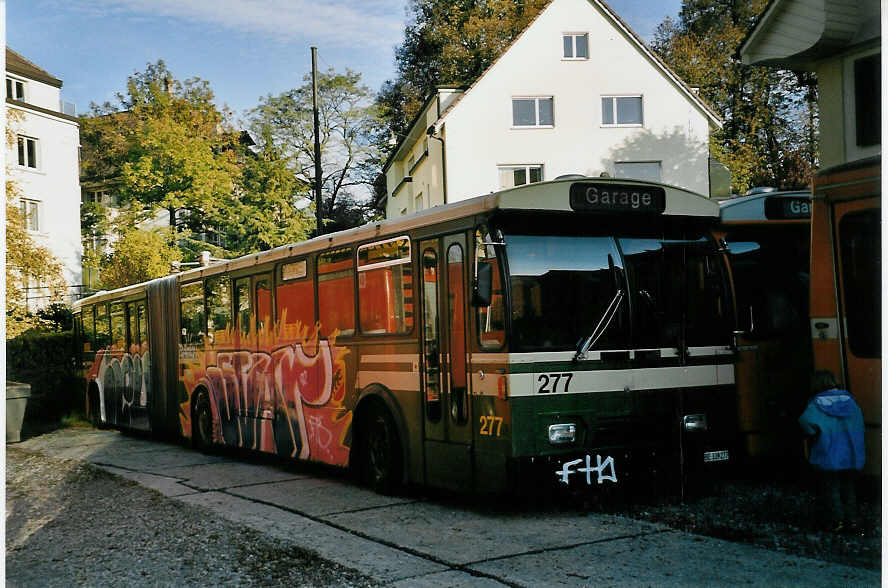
(43, 161)
(577, 92)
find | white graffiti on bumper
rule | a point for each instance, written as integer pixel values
(601, 469)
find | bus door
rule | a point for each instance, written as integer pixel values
(244, 336)
(447, 423)
(858, 240)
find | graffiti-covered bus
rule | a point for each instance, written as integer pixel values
(846, 290)
(768, 235)
(575, 332)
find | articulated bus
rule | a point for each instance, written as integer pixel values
(768, 237)
(574, 332)
(846, 287)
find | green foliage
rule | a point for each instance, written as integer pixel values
(58, 316)
(770, 116)
(349, 131)
(165, 146)
(448, 42)
(45, 360)
(137, 256)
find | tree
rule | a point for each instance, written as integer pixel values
(27, 262)
(138, 255)
(448, 42)
(769, 136)
(265, 202)
(348, 128)
(165, 142)
(166, 146)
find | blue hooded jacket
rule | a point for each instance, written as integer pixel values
(839, 420)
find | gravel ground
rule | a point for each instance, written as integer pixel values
(69, 523)
(782, 515)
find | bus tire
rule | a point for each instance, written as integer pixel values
(203, 429)
(382, 461)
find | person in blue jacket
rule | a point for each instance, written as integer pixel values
(835, 422)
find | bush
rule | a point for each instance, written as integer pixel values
(45, 360)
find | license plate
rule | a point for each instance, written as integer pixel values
(710, 456)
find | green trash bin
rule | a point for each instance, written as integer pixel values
(17, 394)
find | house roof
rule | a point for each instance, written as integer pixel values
(17, 64)
(620, 24)
(793, 33)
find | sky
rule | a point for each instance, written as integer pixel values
(246, 49)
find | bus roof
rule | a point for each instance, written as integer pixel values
(767, 206)
(558, 195)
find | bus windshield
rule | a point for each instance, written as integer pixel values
(623, 292)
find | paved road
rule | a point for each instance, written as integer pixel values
(415, 541)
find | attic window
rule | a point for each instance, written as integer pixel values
(15, 89)
(576, 45)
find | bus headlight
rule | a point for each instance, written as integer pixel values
(562, 433)
(695, 422)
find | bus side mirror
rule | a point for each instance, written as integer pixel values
(482, 291)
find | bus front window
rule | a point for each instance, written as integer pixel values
(562, 288)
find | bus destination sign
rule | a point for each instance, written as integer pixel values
(607, 197)
(777, 208)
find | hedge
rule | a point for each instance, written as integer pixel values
(45, 360)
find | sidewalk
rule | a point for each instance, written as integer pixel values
(409, 541)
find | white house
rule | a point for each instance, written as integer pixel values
(577, 92)
(43, 161)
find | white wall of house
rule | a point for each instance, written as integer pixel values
(53, 184)
(481, 136)
(670, 145)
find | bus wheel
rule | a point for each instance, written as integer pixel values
(202, 423)
(382, 454)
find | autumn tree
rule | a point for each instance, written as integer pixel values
(166, 147)
(349, 120)
(451, 43)
(138, 255)
(769, 135)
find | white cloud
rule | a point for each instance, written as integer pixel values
(340, 23)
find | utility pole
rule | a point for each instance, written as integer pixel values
(319, 212)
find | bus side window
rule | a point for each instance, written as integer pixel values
(142, 319)
(263, 302)
(103, 327)
(133, 342)
(491, 319)
(88, 332)
(336, 291)
(243, 310)
(192, 312)
(295, 297)
(218, 291)
(385, 287)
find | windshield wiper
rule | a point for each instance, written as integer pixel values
(606, 319)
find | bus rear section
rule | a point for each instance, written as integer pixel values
(846, 288)
(617, 371)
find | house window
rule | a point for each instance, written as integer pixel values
(27, 152)
(648, 171)
(15, 89)
(518, 175)
(532, 112)
(621, 110)
(97, 196)
(417, 202)
(867, 100)
(30, 213)
(576, 45)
